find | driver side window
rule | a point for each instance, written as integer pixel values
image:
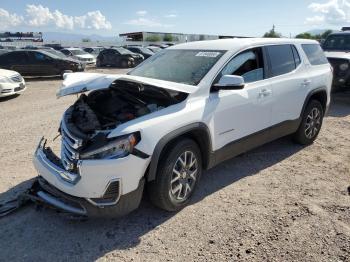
(248, 64)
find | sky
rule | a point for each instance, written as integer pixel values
(224, 17)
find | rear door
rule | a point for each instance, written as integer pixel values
(289, 82)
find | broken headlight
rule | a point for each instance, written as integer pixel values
(116, 148)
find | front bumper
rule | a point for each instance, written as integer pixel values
(9, 89)
(94, 179)
(81, 207)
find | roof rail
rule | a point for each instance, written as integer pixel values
(346, 28)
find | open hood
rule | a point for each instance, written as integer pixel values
(81, 82)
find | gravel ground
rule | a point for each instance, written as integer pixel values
(280, 202)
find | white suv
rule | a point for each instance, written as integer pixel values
(184, 110)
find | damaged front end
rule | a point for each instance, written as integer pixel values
(98, 174)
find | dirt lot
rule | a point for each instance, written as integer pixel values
(281, 202)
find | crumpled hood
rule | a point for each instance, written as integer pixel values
(341, 55)
(81, 82)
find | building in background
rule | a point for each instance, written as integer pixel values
(169, 37)
(21, 36)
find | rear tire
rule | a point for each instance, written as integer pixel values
(311, 123)
(177, 176)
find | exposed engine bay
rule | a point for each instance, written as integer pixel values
(121, 102)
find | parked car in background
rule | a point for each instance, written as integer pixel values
(79, 54)
(154, 49)
(38, 63)
(4, 51)
(11, 83)
(140, 50)
(119, 57)
(162, 46)
(54, 46)
(33, 47)
(337, 50)
(94, 50)
(184, 110)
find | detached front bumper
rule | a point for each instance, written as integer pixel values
(102, 187)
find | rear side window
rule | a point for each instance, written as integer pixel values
(315, 54)
(281, 59)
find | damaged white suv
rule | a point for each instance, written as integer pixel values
(182, 111)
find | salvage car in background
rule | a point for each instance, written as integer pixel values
(154, 49)
(79, 54)
(118, 57)
(183, 110)
(140, 50)
(337, 50)
(94, 50)
(11, 83)
(38, 63)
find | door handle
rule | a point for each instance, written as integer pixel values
(265, 92)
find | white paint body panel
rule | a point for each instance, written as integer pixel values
(229, 115)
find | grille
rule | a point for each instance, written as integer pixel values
(335, 64)
(69, 149)
(17, 78)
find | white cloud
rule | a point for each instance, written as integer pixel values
(141, 13)
(40, 16)
(144, 20)
(8, 20)
(141, 21)
(171, 16)
(333, 12)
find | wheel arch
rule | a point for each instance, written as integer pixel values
(199, 132)
(319, 94)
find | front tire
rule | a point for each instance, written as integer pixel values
(177, 177)
(311, 123)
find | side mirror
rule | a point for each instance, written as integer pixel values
(229, 82)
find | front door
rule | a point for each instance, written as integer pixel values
(240, 113)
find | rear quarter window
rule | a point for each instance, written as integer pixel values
(315, 54)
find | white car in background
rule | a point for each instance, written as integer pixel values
(11, 83)
(80, 55)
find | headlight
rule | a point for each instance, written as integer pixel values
(344, 67)
(116, 148)
(4, 79)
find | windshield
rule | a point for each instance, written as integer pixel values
(123, 51)
(56, 53)
(78, 52)
(180, 66)
(146, 51)
(337, 43)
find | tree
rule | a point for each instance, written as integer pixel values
(326, 33)
(305, 36)
(153, 38)
(168, 38)
(272, 33)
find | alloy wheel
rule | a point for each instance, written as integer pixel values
(313, 123)
(184, 176)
